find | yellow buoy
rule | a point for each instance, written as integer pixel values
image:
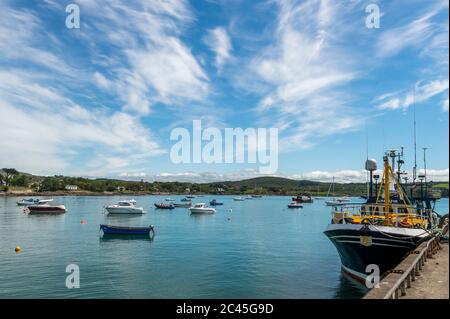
(18, 249)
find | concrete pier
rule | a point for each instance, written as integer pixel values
(433, 280)
(423, 274)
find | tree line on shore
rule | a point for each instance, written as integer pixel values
(10, 178)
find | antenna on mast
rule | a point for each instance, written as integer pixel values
(415, 141)
(425, 163)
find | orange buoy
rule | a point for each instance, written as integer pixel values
(18, 249)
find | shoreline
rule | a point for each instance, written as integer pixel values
(87, 193)
(65, 193)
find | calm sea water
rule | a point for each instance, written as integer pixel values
(261, 249)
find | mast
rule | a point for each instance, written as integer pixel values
(386, 184)
(415, 141)
(425, 169)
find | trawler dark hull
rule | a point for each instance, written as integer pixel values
(360, 245)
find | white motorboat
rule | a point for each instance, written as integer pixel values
(124, 207)
(169, 199)
(238, 199)
(201, 208)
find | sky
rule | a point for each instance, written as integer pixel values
(102, 100)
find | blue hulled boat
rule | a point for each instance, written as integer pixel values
(122, 230)
(215, 203)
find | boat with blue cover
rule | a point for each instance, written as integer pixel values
(215, 203)
(124, 230)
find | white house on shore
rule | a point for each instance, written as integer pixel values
(71, 187)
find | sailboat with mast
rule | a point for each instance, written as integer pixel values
(336, 201)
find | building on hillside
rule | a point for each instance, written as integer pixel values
(71, 187)
(120, 188)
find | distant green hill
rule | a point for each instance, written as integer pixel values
(268, 185)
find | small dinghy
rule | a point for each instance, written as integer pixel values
(238, 199)
(127, 231)
(215, 203)
(295, 205)
(164, 206)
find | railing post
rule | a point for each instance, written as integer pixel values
(402, 288)
(408, 280)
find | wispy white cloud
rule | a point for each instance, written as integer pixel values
(339, 176)
(403, 100)
(151, 64)
(414, 34)
(219, 42)
(303, 73)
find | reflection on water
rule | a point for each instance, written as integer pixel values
(349, 287)
(260, 249)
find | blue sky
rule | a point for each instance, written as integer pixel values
(102, 100)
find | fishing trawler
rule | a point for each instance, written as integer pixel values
(384, 229)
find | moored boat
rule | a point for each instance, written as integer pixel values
(238, 199)
(336, 202)
(295, 205)
(215, 203)
(164, 206)
(383, 230)
(124, 207)
(127, 231)
(302, 199)
(201, 208)
(46, 209)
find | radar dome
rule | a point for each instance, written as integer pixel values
(371, 165)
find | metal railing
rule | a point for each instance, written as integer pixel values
(396, 213)
(408, 269)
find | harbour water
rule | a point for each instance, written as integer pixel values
(260, 249)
